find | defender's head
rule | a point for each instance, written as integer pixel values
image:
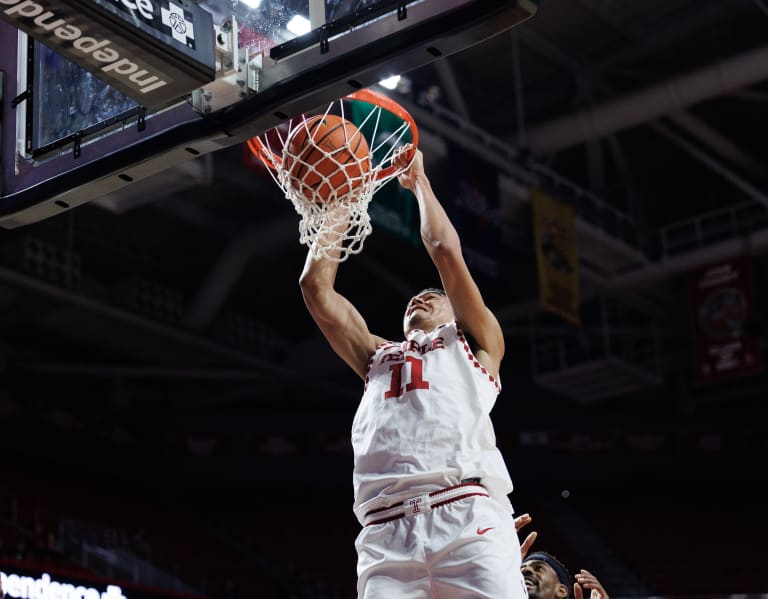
(545, 576)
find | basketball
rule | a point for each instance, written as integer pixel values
(326, 158)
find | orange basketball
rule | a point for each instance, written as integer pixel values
(326, 158)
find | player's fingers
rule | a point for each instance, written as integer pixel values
(521, 521)
(397, 158)
(590, 582)
(577, 594)
(401, 154)
(526, 546)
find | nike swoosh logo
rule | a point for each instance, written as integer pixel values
(482, 531)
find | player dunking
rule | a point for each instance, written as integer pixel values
(430, 485)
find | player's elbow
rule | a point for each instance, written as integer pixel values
(443, 250)
(310, 285)
(311, 288)
(314, 289)
(307, 280)
(440, 239)
(496, 348)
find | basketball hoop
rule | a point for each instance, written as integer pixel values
(331, 184)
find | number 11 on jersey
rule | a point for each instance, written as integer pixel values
(417, 377)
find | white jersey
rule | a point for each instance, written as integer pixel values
(424, 422)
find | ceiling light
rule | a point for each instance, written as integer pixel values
(390, 82)
(251, 3)
(299, 25)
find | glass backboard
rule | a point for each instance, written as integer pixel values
(68, 137)
(68, 99)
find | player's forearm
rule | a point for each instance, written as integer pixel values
(437, 231)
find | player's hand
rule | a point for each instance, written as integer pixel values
(587, 580)
(400, 160)
(525, 546)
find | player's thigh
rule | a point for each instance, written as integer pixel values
(400, 581)
(482, 560)
(390, 563)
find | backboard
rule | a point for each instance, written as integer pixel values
(160, 82)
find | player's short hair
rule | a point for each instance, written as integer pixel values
(559, 567)
(431, 290)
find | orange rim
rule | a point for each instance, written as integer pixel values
(273, 161)
(263, 153)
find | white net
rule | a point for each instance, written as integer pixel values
(331, 186)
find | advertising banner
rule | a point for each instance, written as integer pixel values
(27, 582)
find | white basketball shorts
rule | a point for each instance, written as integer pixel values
(467, 549)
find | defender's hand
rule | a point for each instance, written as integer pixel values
(588, 580)
(525, 546)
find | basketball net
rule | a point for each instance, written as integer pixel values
(335, 226)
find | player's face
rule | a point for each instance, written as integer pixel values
(542, 581)
(426, 311)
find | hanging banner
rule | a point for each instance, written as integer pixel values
(557, 256)
(723, 309)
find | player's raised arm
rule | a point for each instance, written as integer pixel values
(444, 247)
(341, 323)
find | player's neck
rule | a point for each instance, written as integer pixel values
(426, 327)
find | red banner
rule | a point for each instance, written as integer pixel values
(724, 309)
